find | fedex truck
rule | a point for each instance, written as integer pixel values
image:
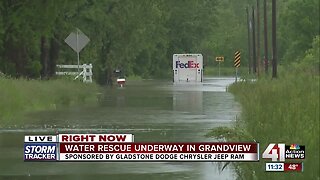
(187, 68)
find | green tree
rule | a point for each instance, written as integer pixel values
(298, 25)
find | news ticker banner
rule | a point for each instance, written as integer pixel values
(80, 138)
(121, 147)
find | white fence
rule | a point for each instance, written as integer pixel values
(86, 72)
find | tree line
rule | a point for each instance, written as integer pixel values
(140, 36)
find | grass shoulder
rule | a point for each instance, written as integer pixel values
(19, 96)
(282, 110)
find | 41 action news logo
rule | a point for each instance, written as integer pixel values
(280, 152)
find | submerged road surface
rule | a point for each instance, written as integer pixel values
(152, 110)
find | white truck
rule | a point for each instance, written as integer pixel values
(187, 68)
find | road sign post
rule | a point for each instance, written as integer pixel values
(219, 59)
(219, 68)
(237, 62)
(78, 53)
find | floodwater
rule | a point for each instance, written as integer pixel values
(154, 111)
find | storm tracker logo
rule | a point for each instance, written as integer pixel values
(40, 151)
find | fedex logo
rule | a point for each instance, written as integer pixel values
(189, 64)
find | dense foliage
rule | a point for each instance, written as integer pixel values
(140, 36)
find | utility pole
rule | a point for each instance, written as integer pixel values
(258, 39)
(254, 60)
(249, 43)
(265, 36)
(274, 40)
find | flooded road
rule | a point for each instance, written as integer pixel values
(154, 111)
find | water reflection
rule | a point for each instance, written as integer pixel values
(190, 101)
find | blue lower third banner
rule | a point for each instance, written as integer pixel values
(40, 151)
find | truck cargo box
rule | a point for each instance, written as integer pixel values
(187, 68)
